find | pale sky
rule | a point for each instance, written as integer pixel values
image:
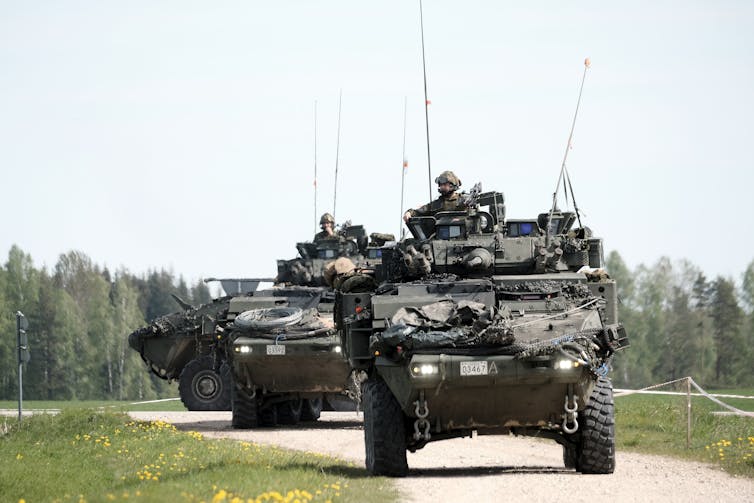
(180, 134)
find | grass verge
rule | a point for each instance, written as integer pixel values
(656, 424)
(86, 456)
(110, 405)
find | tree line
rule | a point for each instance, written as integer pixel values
(679, 323)
(79, 317)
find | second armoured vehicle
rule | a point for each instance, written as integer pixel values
(486, 325)
(188, 345)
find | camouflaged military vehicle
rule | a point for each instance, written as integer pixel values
(184, 346)
(285, 358)
(489, 326)
(188, 346)
(286, 361)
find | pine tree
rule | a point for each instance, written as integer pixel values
(727, 317)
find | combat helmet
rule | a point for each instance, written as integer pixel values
(327, 218)
(448, 177)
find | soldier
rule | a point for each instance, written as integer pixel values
(447, 184)
(327, 223)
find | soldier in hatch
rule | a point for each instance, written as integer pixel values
(447, 184)
(327, 223)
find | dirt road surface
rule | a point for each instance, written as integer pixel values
(489, 468)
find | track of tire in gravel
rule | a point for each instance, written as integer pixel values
(489, 468)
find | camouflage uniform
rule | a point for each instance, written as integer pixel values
(446, 202)
(449, 202)
(323, 235)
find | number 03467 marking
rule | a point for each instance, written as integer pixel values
(275, 349)
(473, 368)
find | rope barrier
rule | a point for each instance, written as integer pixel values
(720, 403)
(689, 380)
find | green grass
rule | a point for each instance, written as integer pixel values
(656, 424)
(81, 454)
(93, 404)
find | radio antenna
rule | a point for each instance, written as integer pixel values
(315, 166)
(405, 163)
(426, 100)
(337, 156)
(563, 169)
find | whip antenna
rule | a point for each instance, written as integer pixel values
(563, 169)
(405, 163)
(315, 166)
(337, 156)
(426, 100)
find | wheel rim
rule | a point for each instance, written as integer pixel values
(207, 385)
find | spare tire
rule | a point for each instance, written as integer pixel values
(269, 318)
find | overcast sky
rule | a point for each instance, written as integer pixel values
(180, 134)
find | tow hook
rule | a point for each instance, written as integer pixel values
(570, 423)
(421, 425)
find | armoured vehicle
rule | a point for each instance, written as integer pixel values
(487, 325)
(188, 345)
(282, 359)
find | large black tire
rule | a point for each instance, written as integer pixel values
(384, 430)
(290, 412)
(268, 415)
(569, 456)
(311, 409)
(245, 414)
(595, 449)
(202, 388)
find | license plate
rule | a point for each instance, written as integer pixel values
(277, 349)
(473, 368)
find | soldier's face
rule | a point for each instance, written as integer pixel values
(327, 226)
(444, 188)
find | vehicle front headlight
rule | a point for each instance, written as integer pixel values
(425, 369)
(566, 364)
(242, 349)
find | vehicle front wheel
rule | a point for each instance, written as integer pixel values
(202, 388)
(311, 409)
(290, 412)
(384, 430)
(595, 450)
(244, 413)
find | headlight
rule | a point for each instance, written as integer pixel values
(425, 369)
(337, 349)
(242, 349)
(566, 364)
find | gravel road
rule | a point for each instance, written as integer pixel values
(489, 468)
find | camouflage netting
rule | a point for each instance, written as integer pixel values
(444, 324)
(471, 328)
(568, 290)
(187, 322)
